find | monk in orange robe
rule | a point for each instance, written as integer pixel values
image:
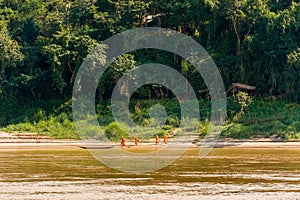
(123, 142)
(156, 139)
(136, 140)
(165, 139)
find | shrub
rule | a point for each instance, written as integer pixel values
(114, 131)
(161, 133)
(173, 121)
(203, 127)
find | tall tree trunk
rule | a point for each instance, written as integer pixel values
(238, 50)
(2, 63)
(72, 71)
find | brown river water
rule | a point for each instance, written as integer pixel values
(225, 173)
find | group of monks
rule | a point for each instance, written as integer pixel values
(136, 140)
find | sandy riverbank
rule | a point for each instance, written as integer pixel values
(15, 141)
(78, 145)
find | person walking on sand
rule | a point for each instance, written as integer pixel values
(156, 139)
(123, 142)
(136, 140)
(165, 139)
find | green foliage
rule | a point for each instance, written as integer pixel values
(10, 56)
(43, 43)
(173, 121)
(204, 127)
(244, 100)
(114, 131)
(266, 130)
(160, 133)
(65, 55)
(261, 119)
(49, 127)
(45, 118)
(167, 128)
(266, 119)
(293, 131)
(114, 72)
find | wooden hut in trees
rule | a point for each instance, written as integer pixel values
(236, 87)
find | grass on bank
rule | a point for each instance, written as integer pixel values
(260, 118)
(275, 119)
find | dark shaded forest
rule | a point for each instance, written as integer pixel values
(43, 43)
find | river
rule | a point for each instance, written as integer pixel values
(225, 173)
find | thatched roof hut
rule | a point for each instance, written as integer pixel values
(235, 87)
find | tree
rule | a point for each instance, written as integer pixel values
(65, 56)
(114, 72)
(10, 52)
(128, 14)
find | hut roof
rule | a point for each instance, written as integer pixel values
(244, 86)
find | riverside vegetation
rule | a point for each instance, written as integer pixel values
(261, 118)
(43, 43)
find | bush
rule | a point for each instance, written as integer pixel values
(114, 131)
(173, 121)
(49, 127)
(203, 127)
(167, 128)
(293, 131)
(241, 131)
(161, 133)
(21, 127)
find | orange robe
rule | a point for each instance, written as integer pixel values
(156, 139)
(165, 139)
(123, 142)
